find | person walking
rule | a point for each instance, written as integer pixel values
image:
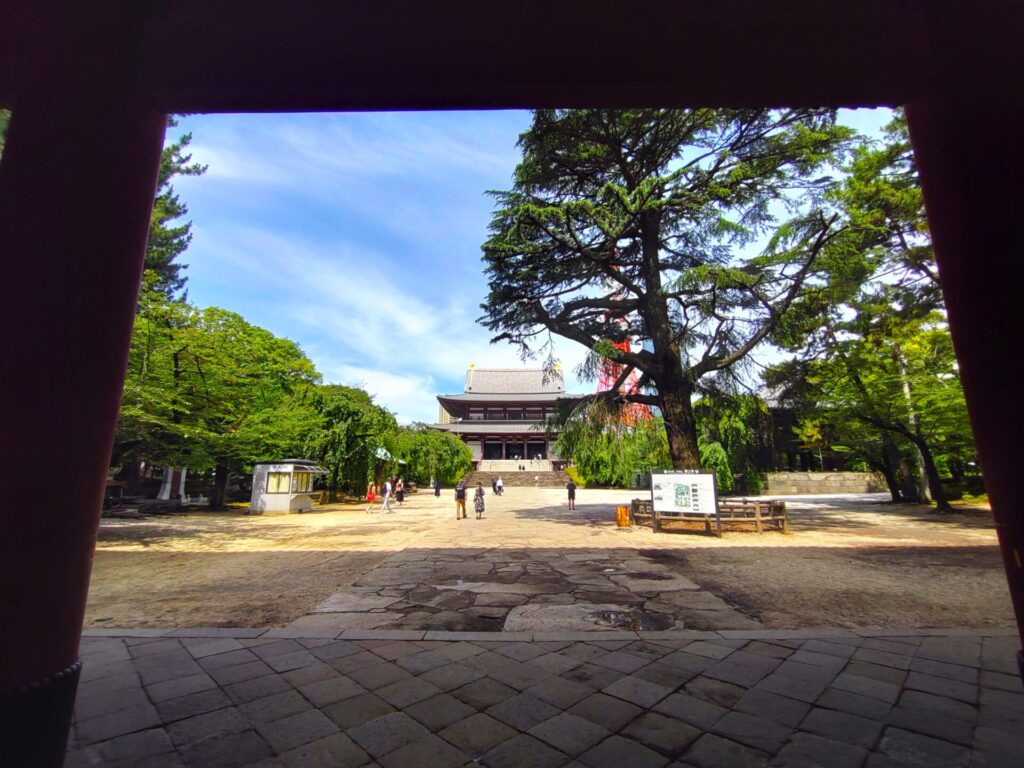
(499, 487)
(385, 497)
(478, 501)
(400, 491)
(437, 487)
(571, 488)
(371, 496)
(460, 500)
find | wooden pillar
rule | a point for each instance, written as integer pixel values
(971, 161)
(76, 188)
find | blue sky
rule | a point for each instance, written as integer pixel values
(358, 236)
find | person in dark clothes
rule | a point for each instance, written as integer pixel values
(460, 501)
(571, 488)
(437, 487)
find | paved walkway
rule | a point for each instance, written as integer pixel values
(309, 697)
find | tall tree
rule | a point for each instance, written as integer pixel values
(627, 224)
(169, 237)
(5, 118)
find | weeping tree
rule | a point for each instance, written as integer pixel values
(636, 225)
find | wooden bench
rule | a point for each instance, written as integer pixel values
(732, 511)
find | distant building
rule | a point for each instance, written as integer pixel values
(502, 413)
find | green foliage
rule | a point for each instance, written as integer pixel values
(741, 426)
(430, 453)
(714, 457)
(574, 475)
(5, 118)
(606, 452)
(631, 224)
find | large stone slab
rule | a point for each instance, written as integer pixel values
(511, 589)
(348, 602)
(653, 581)
(579, 617)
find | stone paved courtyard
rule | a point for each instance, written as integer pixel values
(290, 697)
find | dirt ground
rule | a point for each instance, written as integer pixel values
(850, 561)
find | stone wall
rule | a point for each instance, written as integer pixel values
(787, 483)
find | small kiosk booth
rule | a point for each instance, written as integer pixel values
(280, 487)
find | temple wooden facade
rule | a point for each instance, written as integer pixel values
(503, 412)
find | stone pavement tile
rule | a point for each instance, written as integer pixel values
(140, 748)
(649, 650)
(451, 676)
(865, 686)
(459, 650)
(663, 734)
(877, 672)
(482, 693)
(619, 751)
(806, 749)
(201, 647)
(477, 734)
(665, 674)
(295, 730)
(943, 686)
(387, 733)
(324, 692)
(568, 733)
(210, 724)
(422, 662)
(354, 661)
(698, 712)
(379, 675)
(288, 661)
(771, 706)
(829, 648)
(1002, 710)
(102, 687)
(998, 747)
(179, 686)
(396, 650)
(334, 751)
(89, 707)
(357, 710)
(584, 652)
(192, 705)
(429, 751)
(842, 726)
(915, 749)
(998, 654)
(277, 648)
(116, 724)
(756, 732)
(256, 688)
(710, 751)
(523, 711)
(560, 692)
(521, 651)
(709, 649)
(854, 703)
(689, 661)
(622, 661)
(239, 673)
(148, 647)
(520, 676)
(226, 751)
(487, 662)
(742, 671)
(798, 681)
(93, 672)
(945, 669)
(931, 722)
(228, 659)
(965, 651)
(275, 707)
(606, 711)
(815, 659)
(593, 676)
(314, 642)
(311, 674)
(943, 707)
(166, 666)
(716, 691)
(1001, 681)
(439, 711)
(523, 751)
(883, 658)
(336, 649)
(637, 691)
(555, 663)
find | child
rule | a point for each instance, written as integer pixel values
(478, 501)
(371, 496)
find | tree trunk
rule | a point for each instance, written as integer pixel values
(220, 484)
(680, 427)
(888, 470)
(938, 493)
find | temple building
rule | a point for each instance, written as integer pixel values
(502, 413)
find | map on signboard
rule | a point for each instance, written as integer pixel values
(683, 493)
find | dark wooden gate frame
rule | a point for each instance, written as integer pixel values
(90, 83)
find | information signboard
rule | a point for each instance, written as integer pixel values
(681, 492)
